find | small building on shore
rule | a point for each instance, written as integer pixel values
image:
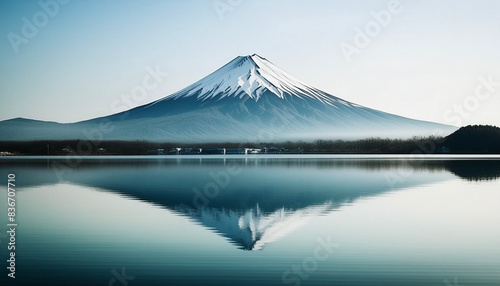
(211, 151)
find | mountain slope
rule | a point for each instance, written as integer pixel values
(248, 99)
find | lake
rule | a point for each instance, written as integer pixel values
(254, 220)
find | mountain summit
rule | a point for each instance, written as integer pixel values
(248, 99)
(250, 76)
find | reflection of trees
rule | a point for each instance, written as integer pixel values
(473, 170)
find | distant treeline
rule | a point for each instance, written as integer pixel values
(477, 139)
(82, 147)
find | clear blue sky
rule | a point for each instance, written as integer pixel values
(87, 54)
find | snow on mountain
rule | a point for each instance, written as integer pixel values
(248, 99)
(250, 76)
(253, 229)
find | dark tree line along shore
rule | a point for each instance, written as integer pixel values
(470, 139)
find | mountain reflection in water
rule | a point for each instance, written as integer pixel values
(249, 201)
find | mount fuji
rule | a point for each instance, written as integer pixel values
(247, 100)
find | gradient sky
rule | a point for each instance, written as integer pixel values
(426, 63)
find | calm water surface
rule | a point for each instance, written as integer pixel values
(254, 220)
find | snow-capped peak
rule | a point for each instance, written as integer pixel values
(252, 229)
(250, 76)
